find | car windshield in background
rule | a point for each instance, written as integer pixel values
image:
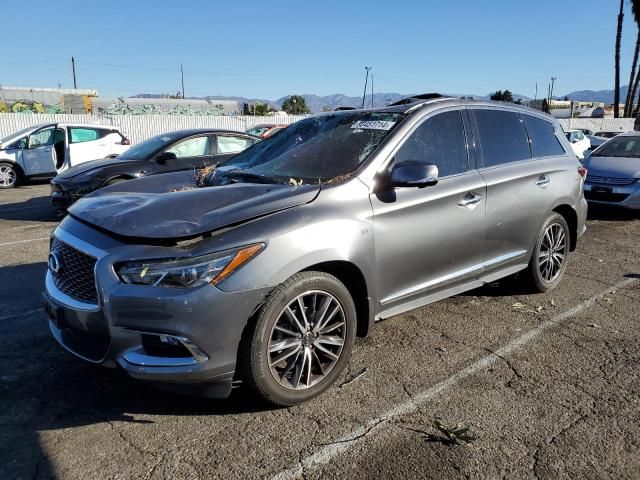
(149, 147)
(317, 149)
(257, 131)
(621, 146)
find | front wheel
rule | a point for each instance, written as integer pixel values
(549, 259)
(8, 175)
(301, 339)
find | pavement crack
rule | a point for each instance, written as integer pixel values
(357, 437)
(514, 370)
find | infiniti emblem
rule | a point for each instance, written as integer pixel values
(54, 262)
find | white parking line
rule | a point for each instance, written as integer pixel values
(24, 241)
(325, 454)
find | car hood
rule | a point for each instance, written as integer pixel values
(91, 165)
(169, 206)
(613, 167)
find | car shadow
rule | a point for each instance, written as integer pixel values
(44, 388)
(35, 209)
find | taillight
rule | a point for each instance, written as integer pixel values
(582, 171)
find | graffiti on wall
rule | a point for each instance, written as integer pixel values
(121, 108)
(27, 106)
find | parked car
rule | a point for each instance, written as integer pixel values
(265, 130)
(44, 150)
(599, 138)
(614, 172)
(300, 243)
(579, 142)
(168, 152)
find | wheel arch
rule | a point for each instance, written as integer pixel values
(571, 217)
(352, 278)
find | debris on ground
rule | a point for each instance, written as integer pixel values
(354, 377)
(456, 435)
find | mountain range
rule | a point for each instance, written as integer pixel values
(317, 103)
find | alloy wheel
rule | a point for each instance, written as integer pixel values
(553, 251)
(306, 340)
(8, 176)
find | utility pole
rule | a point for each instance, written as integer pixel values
(182, 79)
(553, 80)
(535, 96)
(73, 69)
(372, 90)
(366, 79)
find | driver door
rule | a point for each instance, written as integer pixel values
(432, 238)
(39, 156)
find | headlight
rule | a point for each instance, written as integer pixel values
(192, 272)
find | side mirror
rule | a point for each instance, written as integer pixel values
(162, 158)
(412, 173)
(18, 145)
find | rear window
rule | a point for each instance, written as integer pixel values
(544, 142)
(503, 138)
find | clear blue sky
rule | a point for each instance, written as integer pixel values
(269, 49)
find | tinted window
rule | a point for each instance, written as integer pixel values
(229, 144)
(79, 135)
(502, 137)
(543, 137)
(440, 141)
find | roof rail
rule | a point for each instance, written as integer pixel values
(417, 98)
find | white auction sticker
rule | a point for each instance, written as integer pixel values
(373, 125)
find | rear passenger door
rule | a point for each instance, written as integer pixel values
(428, 239)
(517, 184)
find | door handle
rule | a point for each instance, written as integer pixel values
(470, 199)
(543, 181)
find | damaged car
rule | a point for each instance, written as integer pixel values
(169, 152)
(265, 270)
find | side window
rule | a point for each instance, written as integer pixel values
(42, 138)
(502, 137)
(544, 142)
(439, 140)
(230, 144)
(79, 135)
(191, 147)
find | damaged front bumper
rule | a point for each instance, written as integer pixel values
(184, 340)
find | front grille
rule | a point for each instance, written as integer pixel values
(605, 196)
(609, 180)
(75, 277)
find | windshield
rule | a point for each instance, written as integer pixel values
(13, 136)
(621, 146)
(148, 148)
(317, 149)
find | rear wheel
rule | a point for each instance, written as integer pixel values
(301, 340)
(549, 259)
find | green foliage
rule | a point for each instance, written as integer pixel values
(502, 96)
(455, 435)
(257, 108)
(295, 105)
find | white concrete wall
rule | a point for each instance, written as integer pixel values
(141, 127)
(599, 124)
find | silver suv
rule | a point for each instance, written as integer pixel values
(266, 270)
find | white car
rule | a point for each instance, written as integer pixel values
(42, 151)
(580, 143)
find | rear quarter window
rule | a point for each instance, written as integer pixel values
(544, 142)
(503, 138)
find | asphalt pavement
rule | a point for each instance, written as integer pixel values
(547, 384)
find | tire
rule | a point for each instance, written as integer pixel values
(9, 176)
(549, 259)
(310, 362)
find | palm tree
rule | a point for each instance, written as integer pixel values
(635, 7)
(616, 94)
(633, 84)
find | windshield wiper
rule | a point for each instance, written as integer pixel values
(250, 177)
